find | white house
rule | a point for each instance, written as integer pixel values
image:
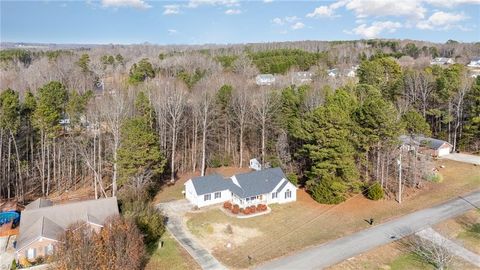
(332, 72)
(258, 187)
(426, 145)
(474, 63)
(442, 61)
(302, 77)
(265, 79)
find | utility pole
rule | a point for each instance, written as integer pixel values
(399, 161)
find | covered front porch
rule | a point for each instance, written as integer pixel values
(249, 201)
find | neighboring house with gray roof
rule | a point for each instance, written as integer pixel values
(42, 223)
(258, 187)
(425, 145)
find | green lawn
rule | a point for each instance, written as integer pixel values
(409, 261)
(170, 257)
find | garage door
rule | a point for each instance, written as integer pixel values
(443, 151)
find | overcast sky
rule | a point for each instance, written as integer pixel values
(232, 21)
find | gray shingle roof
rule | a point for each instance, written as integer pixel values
(49, 221)
(258, 182)
(417, 140)
(251, 184)
(39, 203)
(281, 186)
(210, 183)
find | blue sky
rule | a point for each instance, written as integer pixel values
(232, 21)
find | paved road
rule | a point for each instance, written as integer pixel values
(452, 247)
(463, 158)
(175, 212)
(343, 248)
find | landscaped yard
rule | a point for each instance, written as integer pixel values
(294, 226)
(171, 257)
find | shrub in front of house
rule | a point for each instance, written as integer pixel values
(252, 209)
(261, 208)
(235, 209)
(227, 205)
(246, 211)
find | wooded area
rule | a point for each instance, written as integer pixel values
(126, 117)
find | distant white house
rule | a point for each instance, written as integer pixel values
(255, 164)
(474, 63)
(258, 187)
(333, 72)
(265, 79)
(425, 145)
(352, 73)
(442, 61)
(302, 77)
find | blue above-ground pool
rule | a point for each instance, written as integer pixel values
(6, 217)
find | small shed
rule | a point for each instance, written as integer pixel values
(255, 164)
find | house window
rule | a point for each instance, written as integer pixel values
(288, 194)
(218, 195)
(31, 253)
(207, 197)
(49, 249)
(274, 195)
(252, 198)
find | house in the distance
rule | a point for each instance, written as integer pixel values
(265, 79)
(42, 223)
(258, 187)
(333, 72)
(474, 63)
(303, 77)
(425, 145)
(442, 61)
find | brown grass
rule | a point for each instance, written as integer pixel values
(294, 226)
(457, 229)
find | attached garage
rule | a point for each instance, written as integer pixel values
(444, 150)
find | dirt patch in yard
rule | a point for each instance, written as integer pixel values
(224, 234)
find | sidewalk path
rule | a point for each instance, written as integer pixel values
(175, 212)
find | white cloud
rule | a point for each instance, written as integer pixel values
(233, 11)
(267, 1)
(322, 11)
(277, 21)
(171, 9)
(375, 29)
(403, 8)
(197, 3)
(451, 3)
(140, 4)
(297, 26)
(441, 20)
(291, 18)
(172, 31)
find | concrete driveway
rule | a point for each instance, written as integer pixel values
(322, 256)
(463, 158)
(175, 212)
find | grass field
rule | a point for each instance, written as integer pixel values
(393, 257)
(171, 257)
(294, 226)
(464, 229)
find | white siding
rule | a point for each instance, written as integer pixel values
(190, 193)
(226, 195)
(281, 194)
